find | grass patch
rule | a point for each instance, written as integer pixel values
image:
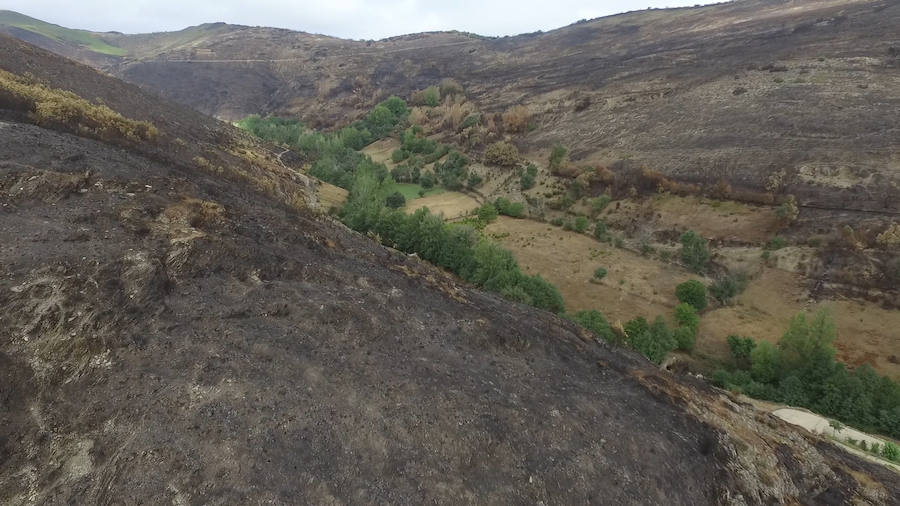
(82, 38)
(410, 191)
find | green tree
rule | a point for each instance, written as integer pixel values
(526, 180)
(692, 292)
(395, 200)
(654, 341)
(694, 251)
(765, 362)
(487, 213)
(741, 347)
(558, 157)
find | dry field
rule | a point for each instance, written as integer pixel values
(451, 205)
(642, 286)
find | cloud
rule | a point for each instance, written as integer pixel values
(357, 19)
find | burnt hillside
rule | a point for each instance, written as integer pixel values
(175, 333)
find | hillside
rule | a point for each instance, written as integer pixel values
(179, 325)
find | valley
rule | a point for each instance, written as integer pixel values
(255, 265)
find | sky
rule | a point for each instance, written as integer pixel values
(354, 19)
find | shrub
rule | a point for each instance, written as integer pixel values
(890, 451)
(776, 243)
(487, 213)
(596, 323)
(470, 121)
(450, 87)
(654, 341)
(688, 324)
(516, 119)
(694, 251)
(395, 200)
(557, 221)
(600, 273)
(598, 204)
(581, 224)
(788, 211)
(509, 208)
(431, 96)
(474, 180)
(600, 230)
(452, 171)
(558, 157)
(890, 236)
(727, 287)
(528, 175)
(427, 180)
(398, 155)
(501, 153)
(52, 107)
(741, 347)
(692, 292)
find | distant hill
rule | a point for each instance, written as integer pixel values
(736, 92)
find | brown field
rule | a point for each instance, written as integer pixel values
(641, 286)
(330, 195)
(451, 205)
(380, 151)
(634, 286)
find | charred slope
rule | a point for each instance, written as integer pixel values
(167, 334)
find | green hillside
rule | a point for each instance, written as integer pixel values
(83, 38)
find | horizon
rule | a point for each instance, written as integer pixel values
(346, 19)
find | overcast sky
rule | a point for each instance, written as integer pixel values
(357, 19)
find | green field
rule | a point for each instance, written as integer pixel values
(410, 191)
(83, 38)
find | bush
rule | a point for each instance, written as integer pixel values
(528, 175)
(506, 207)
(452, 171)
(487, 213)
(427, 180)
(431, 96)
(596, 323)
(776, 243)
(581, 224)
(692, 292)
(474, 181)
(395, 200)
(558, 157)
(516, 119)
(688, 324)
(694, 251)
(890, 451)
(726, 288)
(398, 155)
(600, 230)
(56, 108)
(653, 341)
(470, 121)
(501, 153)
(558, 221)
(600, 273)
(598, 204)
(741, 347)
(788, 211)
